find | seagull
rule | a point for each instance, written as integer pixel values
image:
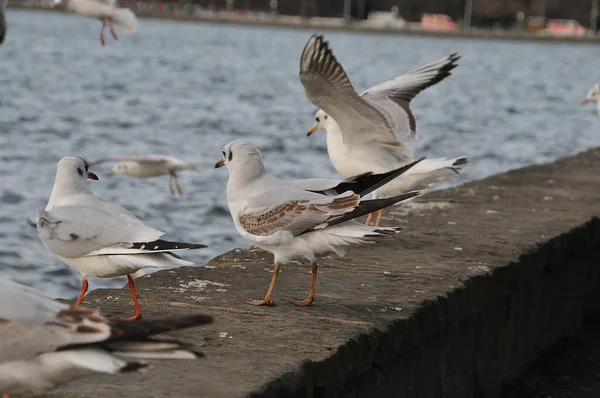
(45, 343)
(594, 96)
(106, 12)
(294, 222)
(2, 21)
(143, 166)
(361, 129)
(99, 238)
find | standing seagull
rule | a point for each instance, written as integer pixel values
(594, 96)
(143, 166)
(44, 343)
(294, 223)
(361, 129)
(99, 238)
(106, 12)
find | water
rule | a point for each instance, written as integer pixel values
(188, 89)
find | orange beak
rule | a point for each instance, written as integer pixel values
(220, 163)
(585, 101)
(111, 173)
(312, 130)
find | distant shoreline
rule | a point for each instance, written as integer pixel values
(352, 27)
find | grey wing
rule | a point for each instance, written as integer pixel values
(74, 231)
(392, 98)
(327, 86)
(294, 216)
(21, 340)
(315, 184)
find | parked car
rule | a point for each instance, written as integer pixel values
(437, 22)
(565, 27)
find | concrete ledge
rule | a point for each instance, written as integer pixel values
(483, 279)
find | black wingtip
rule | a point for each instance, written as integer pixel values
(133, 367)
(460, 162)
(163, 245)
(366, 183)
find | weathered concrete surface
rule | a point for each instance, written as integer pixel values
(484, 277)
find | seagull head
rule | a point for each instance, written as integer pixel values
(56, 3)
(75, 168)
(242, 158)
(593, 95)
(322, 120)
(119, 168)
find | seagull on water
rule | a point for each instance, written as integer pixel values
(361, 129)
(99, 238)
(44, 343)
(106, 11)
(143, 166)
(298, 220)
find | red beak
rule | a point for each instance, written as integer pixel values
(93, 176)
(585, 101)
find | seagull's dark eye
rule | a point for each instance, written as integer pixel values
(80, 171)
(317, 119)
(325, 116)
(230, 156)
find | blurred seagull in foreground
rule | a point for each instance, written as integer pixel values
(2, 20)
(99, 238)
(296, 220)
(143, 166)
(361, 129)
(122, 18)
(593, 95)
(45, 343)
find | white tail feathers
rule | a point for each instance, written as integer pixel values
(125, 20)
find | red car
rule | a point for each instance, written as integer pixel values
(437, 22)
(565, 27)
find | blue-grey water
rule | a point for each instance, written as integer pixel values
(188, 89)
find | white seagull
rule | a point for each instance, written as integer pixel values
(104, 10)
(44, 343)
(361, 129)
(294, 223)
(593, 95)
(144, 166)
(99, 238)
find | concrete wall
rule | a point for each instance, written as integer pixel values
(484, 277)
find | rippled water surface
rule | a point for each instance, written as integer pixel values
(187, 89)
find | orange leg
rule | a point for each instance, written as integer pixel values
(5, 395)
(369, 218)
(102, 32)
(138, 312)
(171, 184)
(111, 27)
(84, 288)
(379, 217)
(313, 287)
(178, 187)
(268, 299)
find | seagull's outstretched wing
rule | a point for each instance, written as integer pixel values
(327, 86)
(392, 98)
